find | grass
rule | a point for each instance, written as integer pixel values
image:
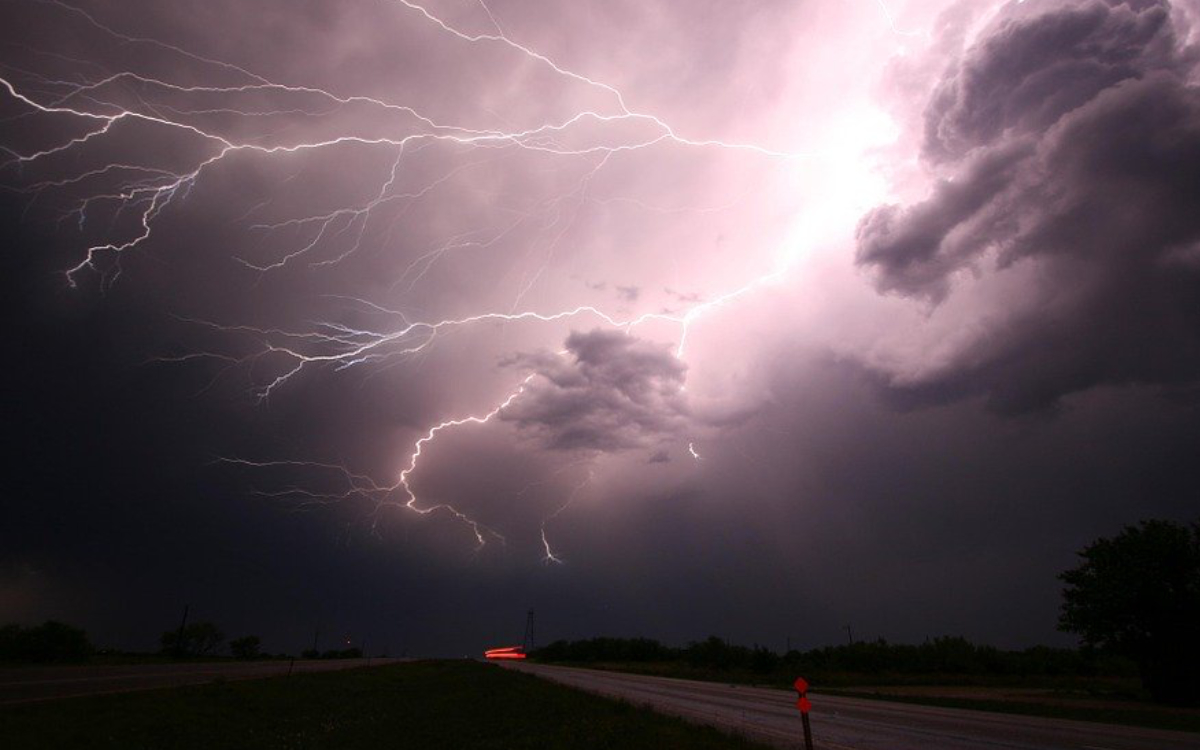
(1128, 707)
(432, 704)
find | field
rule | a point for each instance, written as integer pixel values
(432, 704)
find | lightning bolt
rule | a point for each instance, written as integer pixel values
(144, 193)
(550, 557)
(890, 17)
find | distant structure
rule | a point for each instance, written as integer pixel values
(514, 652)
(527, 641)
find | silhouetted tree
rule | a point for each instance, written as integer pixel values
(49, 642)
(1138, 594)
(246, 647)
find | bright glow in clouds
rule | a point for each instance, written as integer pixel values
(462, 184)
(849, 180)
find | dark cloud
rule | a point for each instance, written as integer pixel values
(1074, 137)
(609, 391)
(1030, 70)
(919, 247)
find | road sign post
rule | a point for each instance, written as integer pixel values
(805, 706)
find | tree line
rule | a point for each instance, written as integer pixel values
(50, 642)
(57, 642)
(200, 639)
(941, 656)
(1133, 599)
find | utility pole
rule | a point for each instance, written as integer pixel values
(789, 646)
(850, 635)
(179, 635)
(316, 635)
(527, 642)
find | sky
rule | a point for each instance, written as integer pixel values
(389, 321)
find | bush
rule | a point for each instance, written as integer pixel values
(49, 642)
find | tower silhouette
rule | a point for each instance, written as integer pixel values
(527, 643)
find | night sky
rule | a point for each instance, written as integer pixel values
(755, 319)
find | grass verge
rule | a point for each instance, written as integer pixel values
(433, 704)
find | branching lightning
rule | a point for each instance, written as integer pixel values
(99, 108)
(550, 557)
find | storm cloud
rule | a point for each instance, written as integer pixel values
(608, 391)
(439, 270)
(1069, 140)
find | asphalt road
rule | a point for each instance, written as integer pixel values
(841, 723)
(25, 684)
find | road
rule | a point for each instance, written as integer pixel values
(838, 723)
(25, 684)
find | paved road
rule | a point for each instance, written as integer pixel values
(24, 684)
(856, 723)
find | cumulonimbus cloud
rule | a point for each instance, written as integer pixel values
(1070, 141)
(609, 391)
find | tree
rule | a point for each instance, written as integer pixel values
(199, 639)
(246, 647)
(1138, 595)
(49, 642)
